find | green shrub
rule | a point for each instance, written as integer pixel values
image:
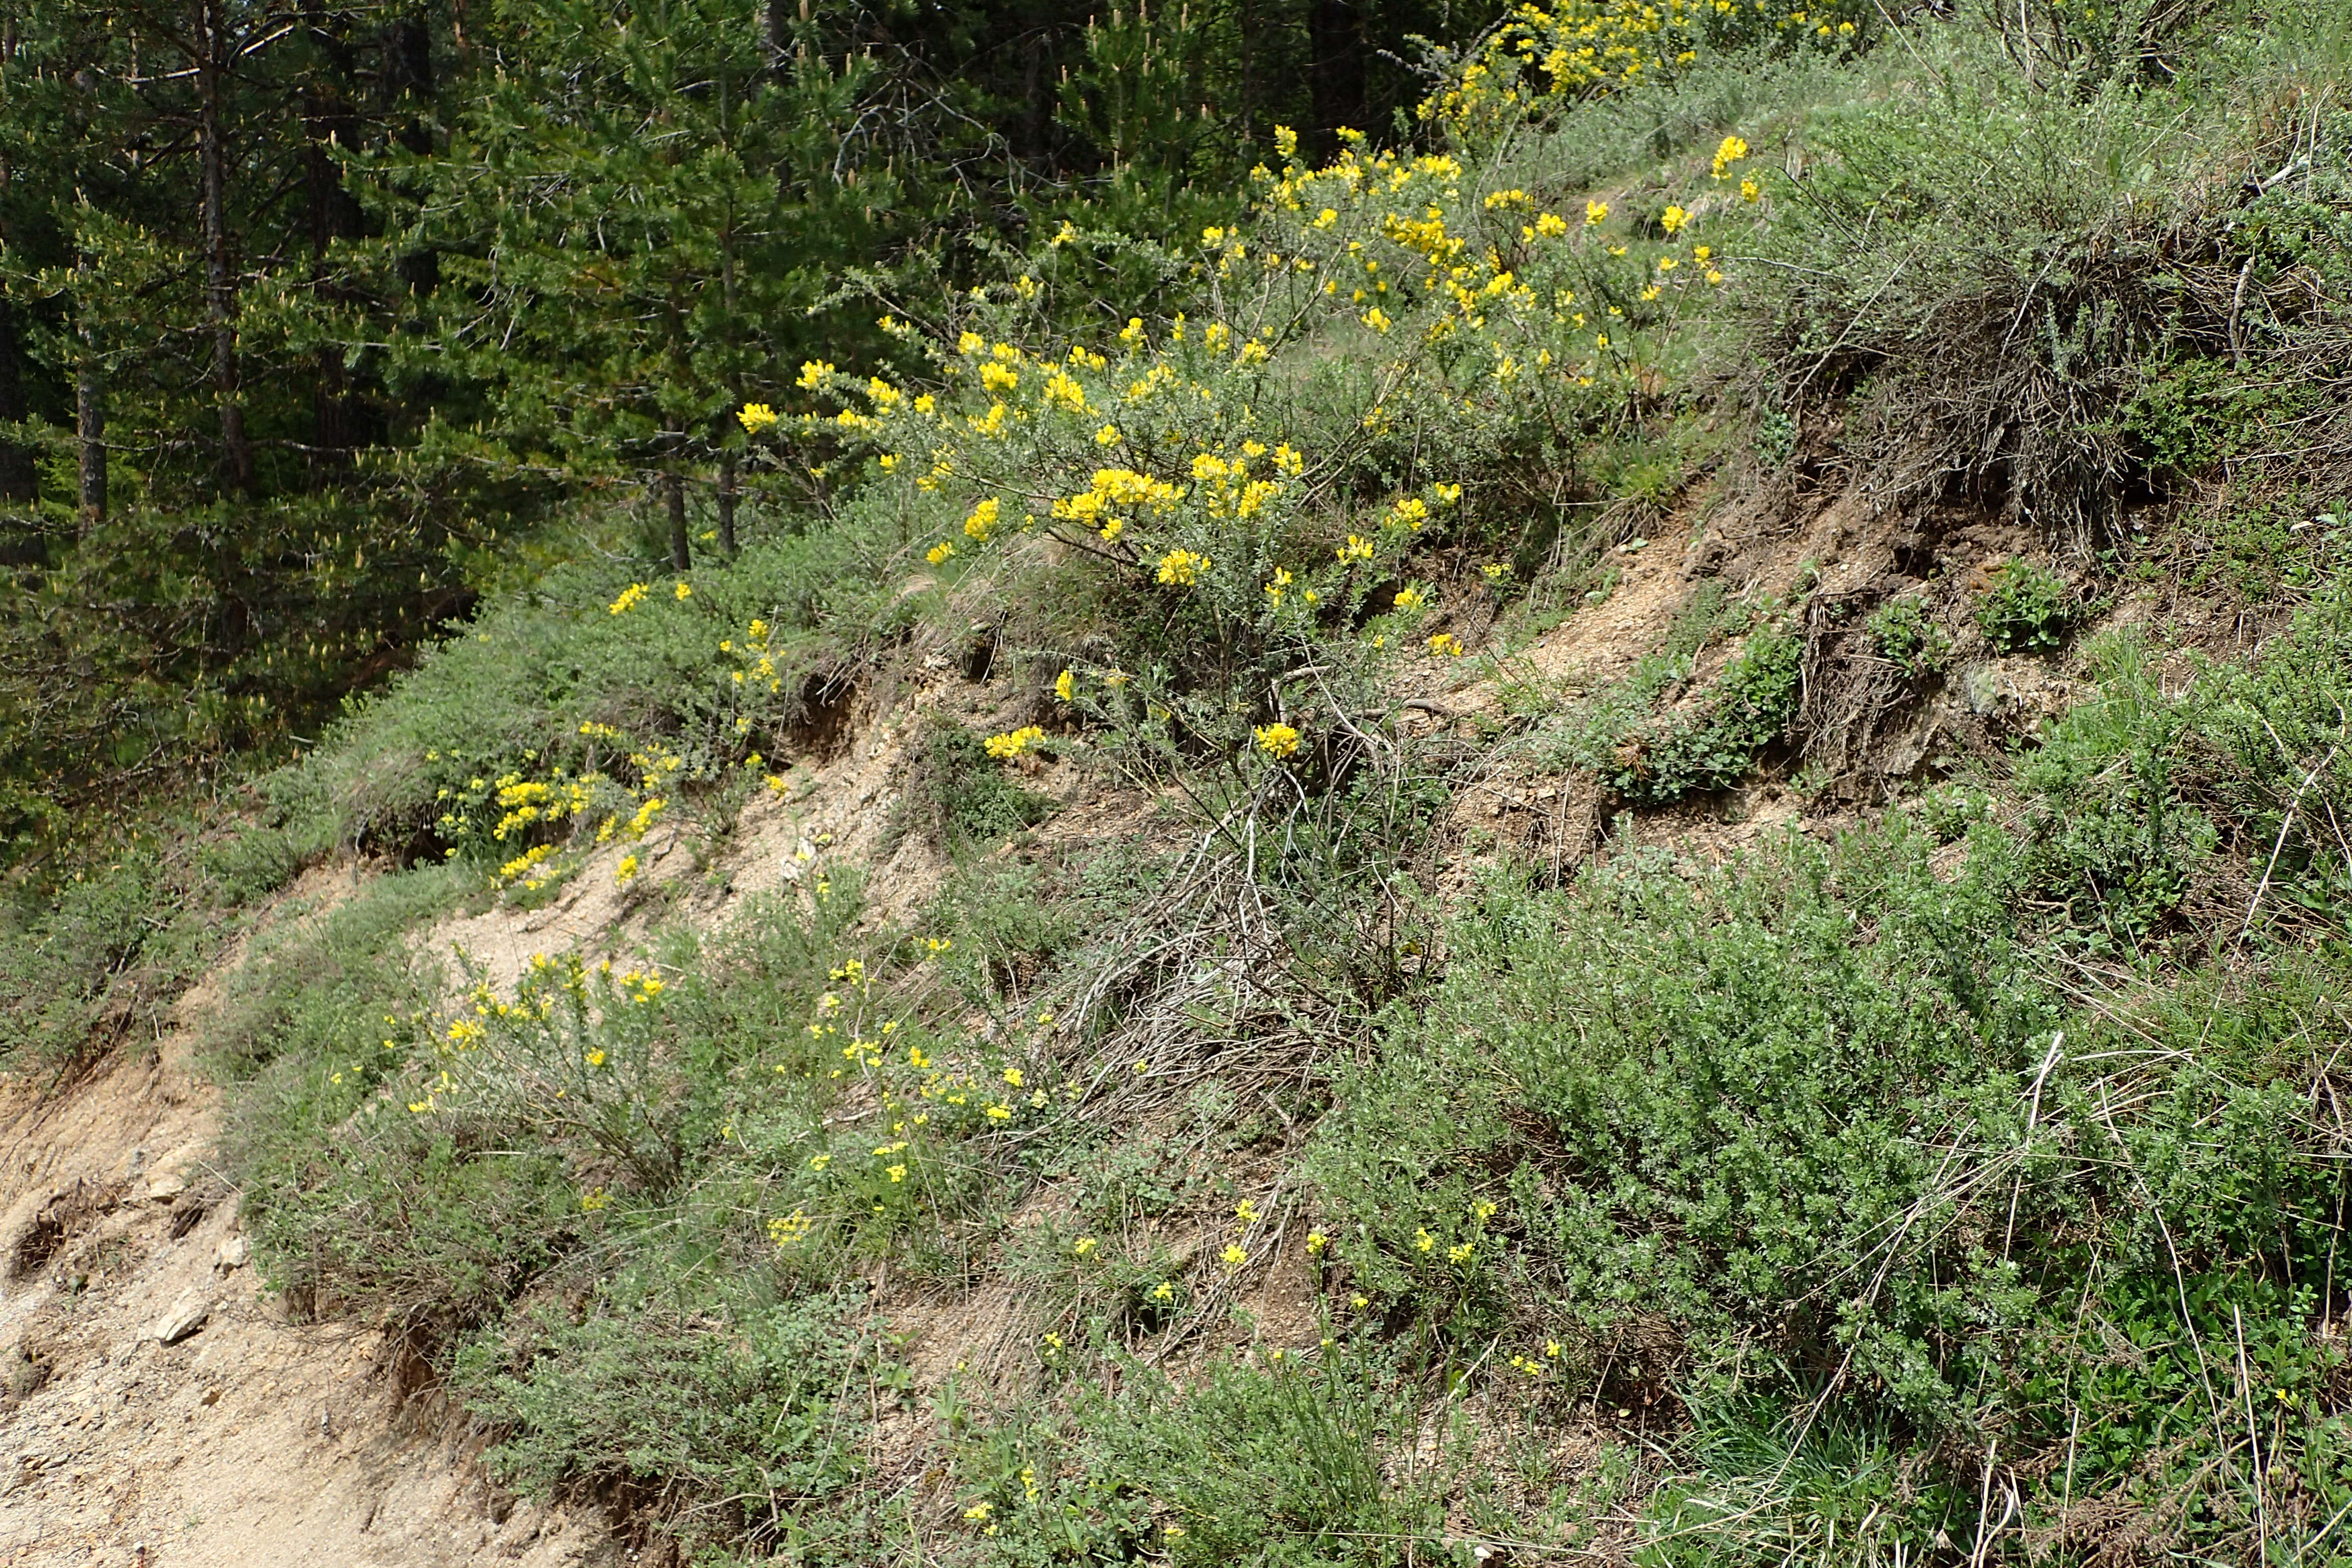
(965, 798)
(1279, 1467)
(1907, 639)
(731, 1426)
(1747, 708)
(2027, 608)
(105, 955)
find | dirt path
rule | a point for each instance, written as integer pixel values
(245, 1439)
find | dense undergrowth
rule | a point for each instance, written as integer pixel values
(1963, 1188)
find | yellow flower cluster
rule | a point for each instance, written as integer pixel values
(1114, 496)
(1276, 740)
(1182, 568)
(1571, 49)
(1012, 742)
(1564, 51)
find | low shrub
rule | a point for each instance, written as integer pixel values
(2026, 608)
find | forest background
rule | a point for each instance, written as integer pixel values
(317, 323)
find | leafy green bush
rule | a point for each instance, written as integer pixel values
(105, 955)
(1907, 639)
(734, 1428)
(2027, 608)
(964, 797)
(1281, 1466)
(1745, 709)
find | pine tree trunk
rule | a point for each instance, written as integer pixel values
(89, 425)
(674, 496)
(727, 504)
(220, 279)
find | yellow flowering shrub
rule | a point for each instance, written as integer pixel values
(1214, 461)
(1547, 57)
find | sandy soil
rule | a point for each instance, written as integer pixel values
(244, 1440)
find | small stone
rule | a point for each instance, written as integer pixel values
(234, 1253)
(186, 1316)
(168, 1185)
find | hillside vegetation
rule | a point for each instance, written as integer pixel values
(1611, 834)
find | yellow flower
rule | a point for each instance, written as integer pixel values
(681, 591)
(982, 520)
(1423, 1241)
(1674, 220)
(1182, 568)
(1063, 391)
(1012, 742)
(938, 554)
(1106, 437)
(1750, 190)
(1356, 548)
(1444, 645)
(1728, 152)
(813, 373)
(1410, 598)
(1276, 740)
(625, 870)
(596, 1198)
(1245, 1211)
(1316, 1242)
(1065, 686)
(1596, 213)
(755, 417)
(631, 597)
(1234, 1255)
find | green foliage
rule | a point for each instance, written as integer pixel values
(103, 957)
(967, 798)
(1908, 639)
(1838, 1168)
(2026, 609)
(1706, 742)
(2016, 313)
(1277, 1465)
(739, 1431)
